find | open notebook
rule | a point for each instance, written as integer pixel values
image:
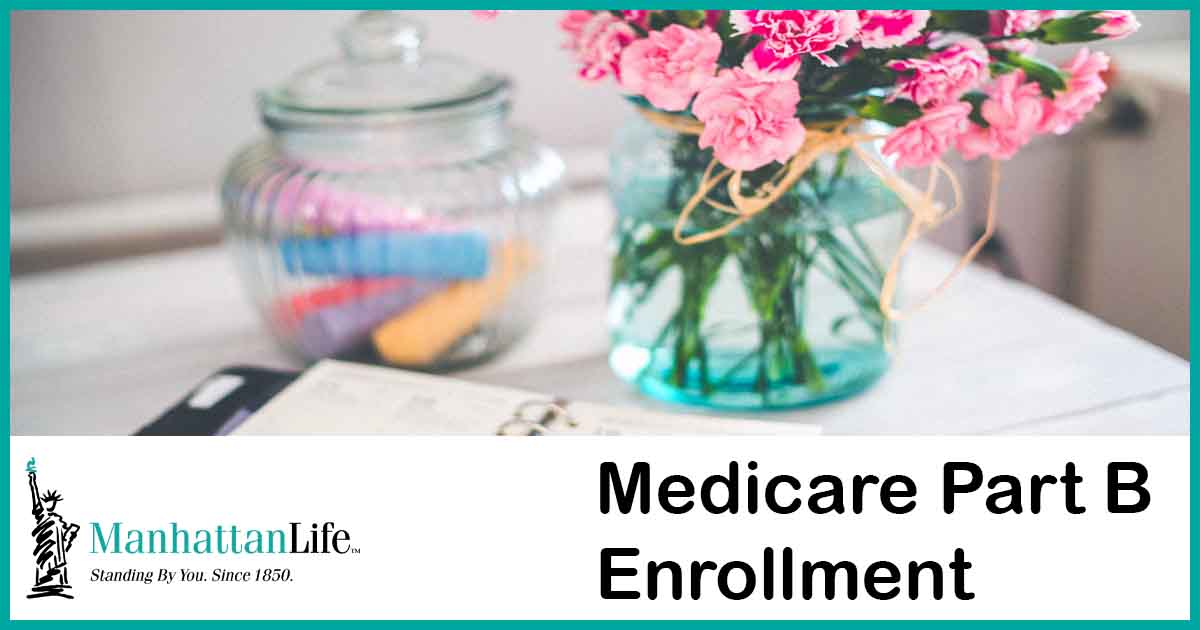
(348, 398)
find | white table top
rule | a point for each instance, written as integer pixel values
(103, 349)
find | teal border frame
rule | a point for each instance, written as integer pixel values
(1193, 20)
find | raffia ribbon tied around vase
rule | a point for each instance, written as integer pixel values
(824, 139)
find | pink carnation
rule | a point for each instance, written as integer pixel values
(597, 40)
(1008, 22)
(1084, 89)
(1013, 112)
(1117, 24)
(888, 28)
(924, 140)
(747, 121)
(572, 23)
(1024, 21)
(944, 76)
(669, 66)
(486, 15)
(641, 17)
(789, 35)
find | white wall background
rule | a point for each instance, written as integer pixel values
(111, 103)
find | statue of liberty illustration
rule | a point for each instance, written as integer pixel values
(52, 538)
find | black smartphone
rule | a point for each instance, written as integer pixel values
(219, 404)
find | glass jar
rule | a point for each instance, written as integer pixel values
(781, 312)
(392, 214)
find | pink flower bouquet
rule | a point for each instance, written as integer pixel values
(758, 205)
(895, 66)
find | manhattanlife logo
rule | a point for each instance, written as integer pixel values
(314, 538)
(53, 537)
(173, 542)
(118, 539)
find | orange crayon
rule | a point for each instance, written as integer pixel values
(428, 329)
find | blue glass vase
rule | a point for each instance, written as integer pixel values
(781, 312)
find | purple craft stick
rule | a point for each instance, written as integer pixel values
(318, 206)
(331, 330)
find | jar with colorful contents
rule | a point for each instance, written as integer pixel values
(392, 214)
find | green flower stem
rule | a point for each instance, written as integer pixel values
(867, 253)
(866, 301)
(845, 259)
(741, 363)
(701, 266)
(803, 356)
(663, 334)
(806, 371)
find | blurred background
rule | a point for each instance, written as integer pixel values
(121, 123)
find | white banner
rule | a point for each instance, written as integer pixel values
(499, 528)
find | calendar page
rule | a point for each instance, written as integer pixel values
(334, 397)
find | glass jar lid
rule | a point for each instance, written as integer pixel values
(383, 77)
